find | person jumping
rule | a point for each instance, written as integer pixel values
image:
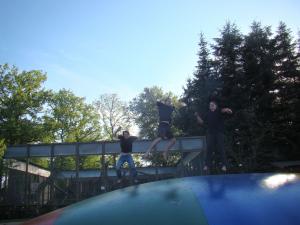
(165, 110)
(125, 156)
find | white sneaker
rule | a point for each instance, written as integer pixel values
(224, 169)
(119, 181)
(146, 156)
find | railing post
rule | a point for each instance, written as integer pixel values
(51, 177)
(77, 172)
(181, 171)
(26, 177)
(103, 168)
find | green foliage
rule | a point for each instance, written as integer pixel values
(198, 92)
(145, 110)
(2, 148)
(22, 98)
(70, 119)
(65, 163)
(42, 162)
(257, 75)
(89, 162)
(286, 108)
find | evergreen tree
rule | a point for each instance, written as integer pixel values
(258, 64)
(227, 52)
(198, 91)
(228, 65)
(286, 104)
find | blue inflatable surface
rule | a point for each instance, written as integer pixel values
(237, 199)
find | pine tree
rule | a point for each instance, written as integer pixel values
(227, 63)
(198, 90)
(228, 66)
(258, 63)
(286, 104)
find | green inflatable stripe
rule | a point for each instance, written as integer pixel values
(167, 202)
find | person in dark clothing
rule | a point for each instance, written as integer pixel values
(125, 156)
(215, 132)
(165, 111)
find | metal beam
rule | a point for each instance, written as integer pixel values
(183, 144)
(112, 172)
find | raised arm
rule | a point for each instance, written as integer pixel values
(199, 119)
(226, 110)
(120, 136)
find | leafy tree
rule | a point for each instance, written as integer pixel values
(22, 98)
(114, 115)
(70, 119)
(2, 149)
(145, 111)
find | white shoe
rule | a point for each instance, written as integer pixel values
(205, 168)
(119, 181)
(224, 169)
(146, 156)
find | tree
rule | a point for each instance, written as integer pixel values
(287, 93)
(198, 91)
(145, 111)
(70, 119)
(228, 66)
(22, 99)
(258, 85)
(2, 149)
(114, 115)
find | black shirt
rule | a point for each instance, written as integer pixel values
(215, 121)
(126, 144)
(164, 112)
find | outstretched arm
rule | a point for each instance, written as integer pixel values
(133, 138)
(199, 119)
(226, 110)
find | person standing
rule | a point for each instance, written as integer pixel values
(215, 133)
(125, 156)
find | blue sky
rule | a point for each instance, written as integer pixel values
(95, 47)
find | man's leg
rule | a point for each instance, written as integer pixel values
(152, 145)
(132, 168)
(168, 147)
(210, 145)
(220, 146)
(119, 164)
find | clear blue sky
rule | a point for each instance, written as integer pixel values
(94, 47)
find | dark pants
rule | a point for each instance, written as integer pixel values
(164, 131)
(215, 140)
